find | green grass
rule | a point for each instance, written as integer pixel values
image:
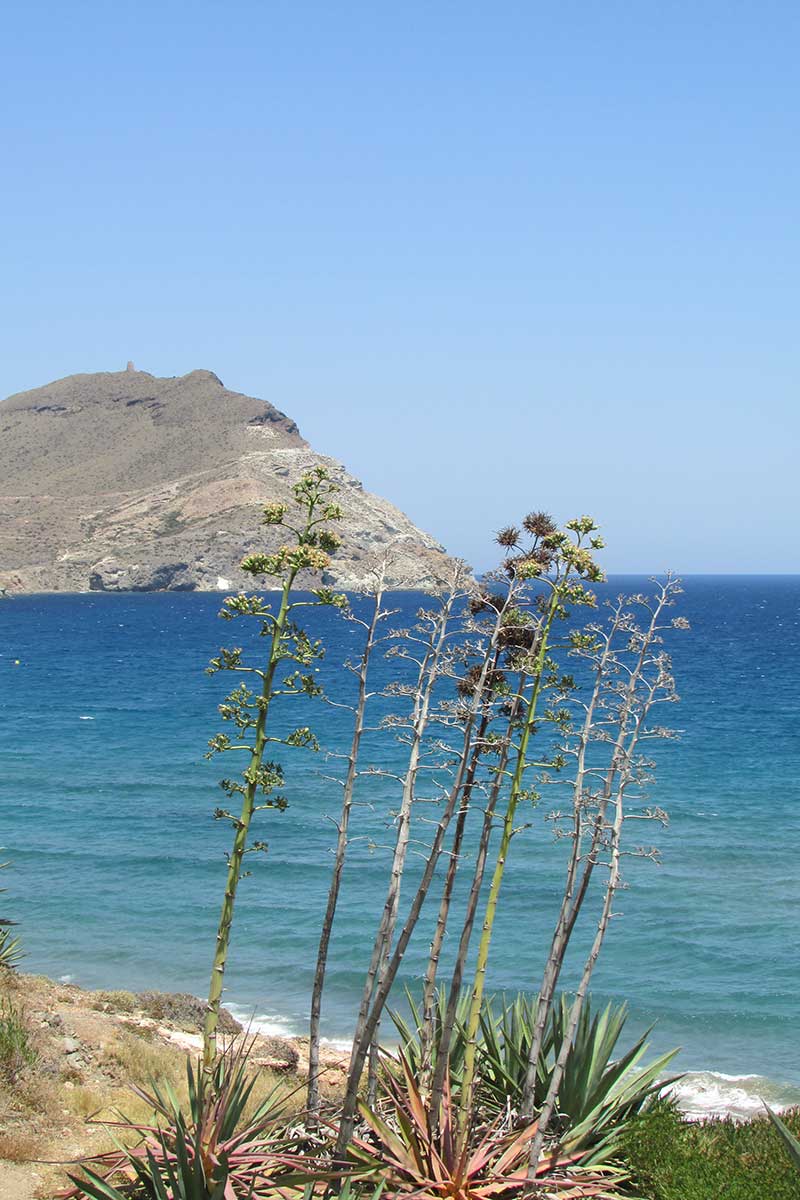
(16, 1048)
(673, 1159)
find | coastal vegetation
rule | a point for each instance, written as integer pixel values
(670, 1158)
(520, 706)
(45, 1103)
(10, 946)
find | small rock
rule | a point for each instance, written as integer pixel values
(277, 1054)
(70, 1045)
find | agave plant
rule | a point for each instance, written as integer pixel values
(414, 1155)
(503, 1054)
(10, 947)
(11, 952)
(162, 1176)
(409, 1031)
(215, 1151)
(598, 1095)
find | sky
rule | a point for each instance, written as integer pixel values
(494, 257)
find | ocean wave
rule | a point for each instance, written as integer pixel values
(276, 1025)
(341, 1044)
(698, 1094)
(701, 1094)
(272, 1024)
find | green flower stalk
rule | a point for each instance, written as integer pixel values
(248, 709)
(560, 561)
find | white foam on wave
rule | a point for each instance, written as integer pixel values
(66, 978)
(340, 1044)
(698, 1094)
(276, 1025)
(85, 718)
(272, 1024)
(701, 1094)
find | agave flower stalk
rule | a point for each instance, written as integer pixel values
(494, 688)
(600, 647)
(430, 669)
(348, 788)
(571, 903)
(564, 559)
(454, 998)
(433, 643)
(427, 1028)
(656, 686)
(383, 988)
(509, 821)
(249, 711)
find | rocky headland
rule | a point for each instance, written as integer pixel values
(122, 481)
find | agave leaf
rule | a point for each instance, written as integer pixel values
(389, 1140)
(11, 952)
(95, 1187)
(515, 1148)
(790, 1142)
(412, 1095)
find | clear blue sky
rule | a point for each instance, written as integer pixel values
(492, 256)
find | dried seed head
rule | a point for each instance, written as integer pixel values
(539, 524)
(468, 684)
(508, 537)
(518, 636)
(487, 602)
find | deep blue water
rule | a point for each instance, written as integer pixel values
(117, 867)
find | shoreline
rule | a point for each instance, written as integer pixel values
(700, 1093)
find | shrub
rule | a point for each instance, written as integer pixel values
(184, 1010)
(670, 1158)
(790, 1142)
(602, 1089)
(114, 1001)
(10, 946)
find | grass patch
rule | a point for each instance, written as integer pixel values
(140, 1061)
(719, 1159)
(121, 1002)
(17, 1051)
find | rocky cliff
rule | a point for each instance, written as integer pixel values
(123, 481)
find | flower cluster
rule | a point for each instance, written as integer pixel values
(294, 558)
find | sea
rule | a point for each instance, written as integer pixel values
(117, 865)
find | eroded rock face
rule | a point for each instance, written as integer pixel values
(126, 482)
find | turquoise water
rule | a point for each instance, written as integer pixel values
(105, 803)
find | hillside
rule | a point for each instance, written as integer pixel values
(124, 481)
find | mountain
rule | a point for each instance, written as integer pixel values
(124, 481)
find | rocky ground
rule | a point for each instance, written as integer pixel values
(69, 1057)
